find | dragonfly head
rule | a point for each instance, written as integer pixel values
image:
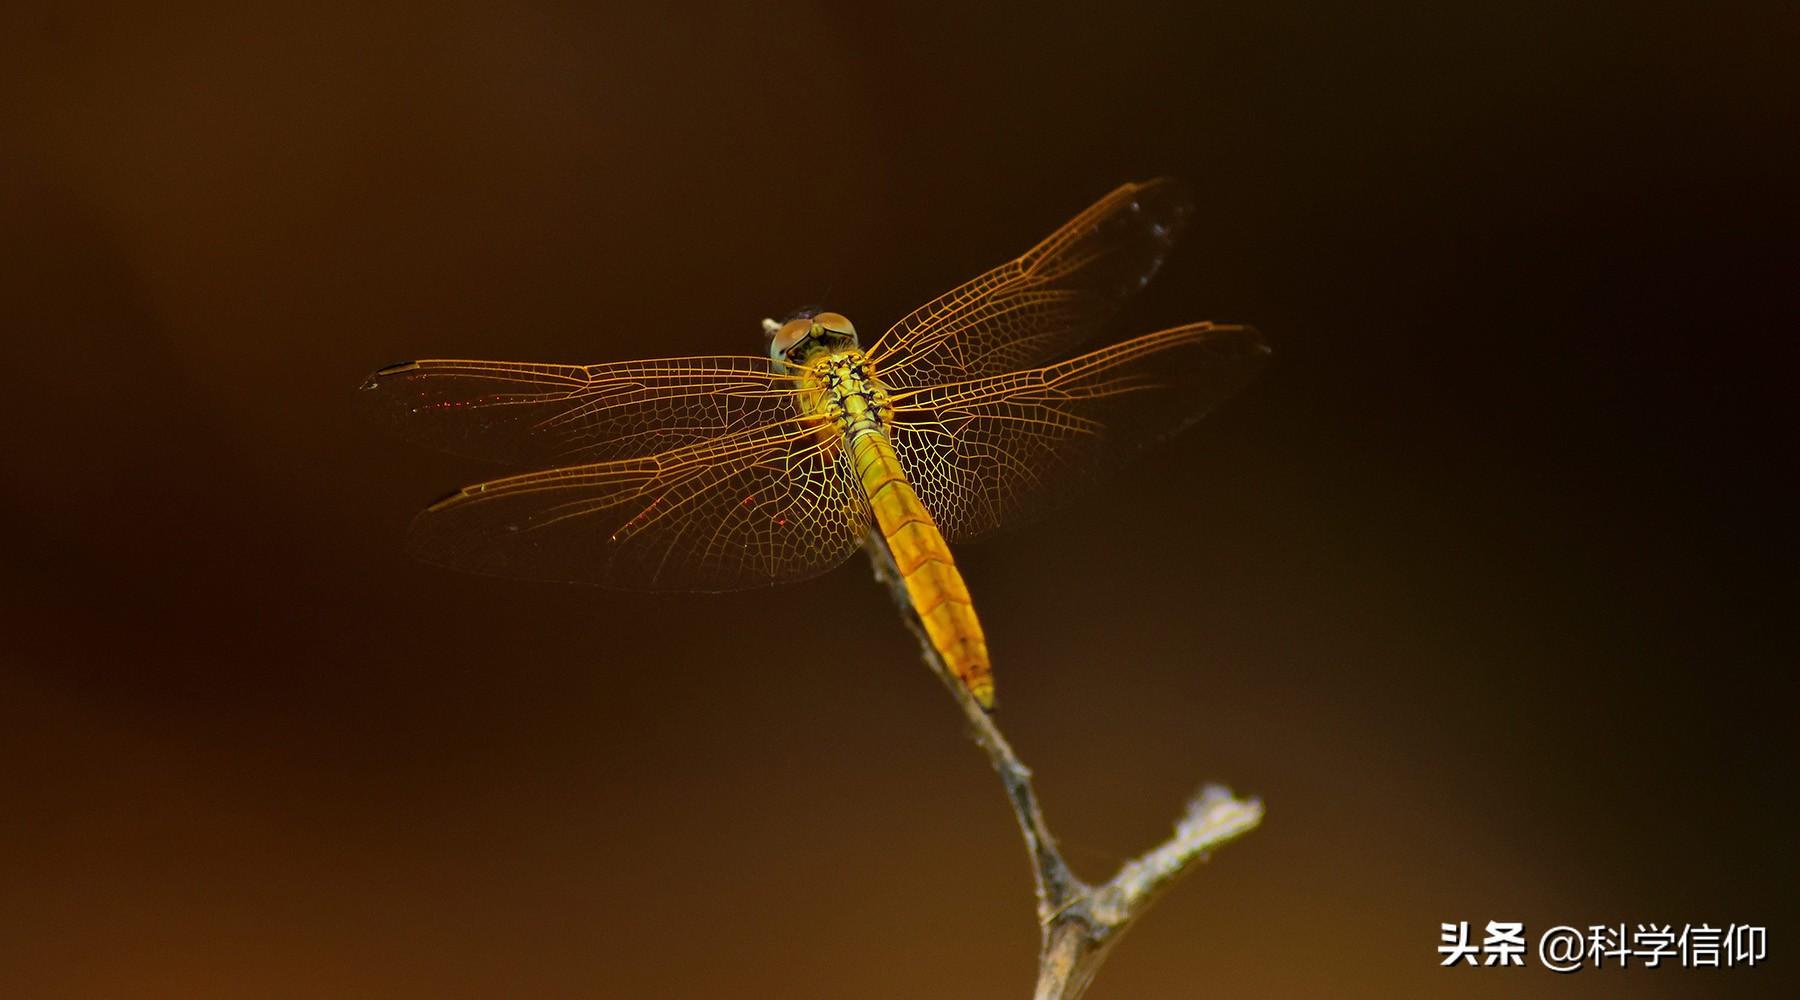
(804, 336)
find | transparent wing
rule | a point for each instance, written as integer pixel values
(747, 510)
(1045, 303)
(1000, 450)
(526, 414)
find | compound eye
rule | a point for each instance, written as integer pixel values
(791, 333)
(836, 323)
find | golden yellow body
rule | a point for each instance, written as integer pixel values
(855, 403)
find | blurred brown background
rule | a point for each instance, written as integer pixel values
(1477, 587)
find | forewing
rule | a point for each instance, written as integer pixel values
(1001, 450)
(527, 414)
(748, 510)
(1045, 303)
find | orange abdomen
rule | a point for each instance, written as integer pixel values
(926, 569)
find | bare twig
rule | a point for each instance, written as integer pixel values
(1079, 922)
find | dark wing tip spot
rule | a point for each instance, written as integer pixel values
(1251, 339)
(382, 375)
(446, 501)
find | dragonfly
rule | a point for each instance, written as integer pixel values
(721, 473)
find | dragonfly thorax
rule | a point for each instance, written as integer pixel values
(798, 343)
(849, 394)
